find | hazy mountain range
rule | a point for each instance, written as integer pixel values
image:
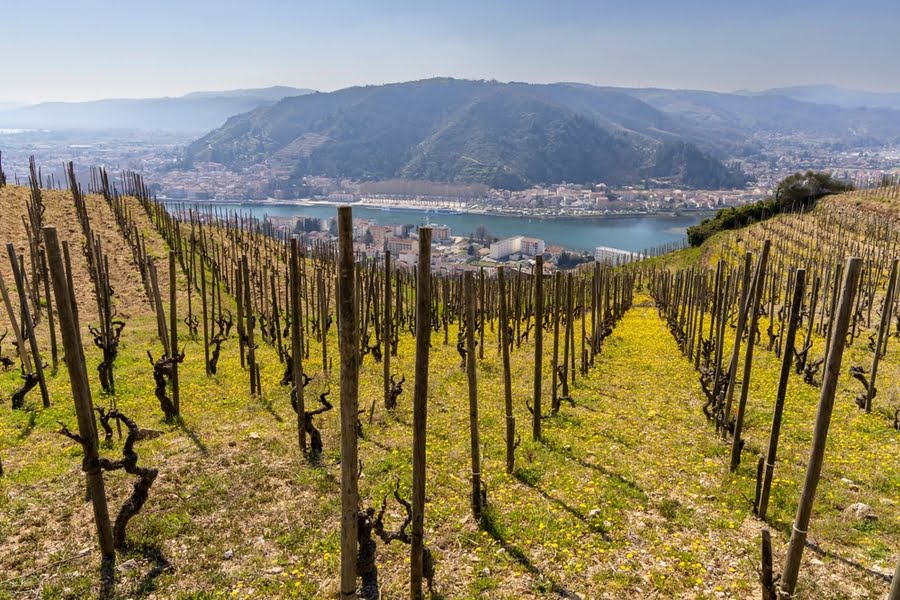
(506, 135)
(837, 96)
(515, 134)
(197, 112)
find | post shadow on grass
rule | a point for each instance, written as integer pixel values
(28, 428)
(550, 445)
(596, 528)
(268, 406)
(490, 524)
(159, 564)
(192, 435)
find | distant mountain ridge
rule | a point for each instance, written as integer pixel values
(197, 112)
(836, 96)
(507, 135)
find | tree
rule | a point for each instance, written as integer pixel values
(369, 239)
(800, 191)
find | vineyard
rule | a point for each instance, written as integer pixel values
(194, 406)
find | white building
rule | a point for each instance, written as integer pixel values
(516, 245)
(614, 256)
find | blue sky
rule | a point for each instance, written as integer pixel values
(100, 49)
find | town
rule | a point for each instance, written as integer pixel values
(449, 252)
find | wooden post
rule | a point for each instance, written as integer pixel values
(28, 325)
(420, 412)
(255, 388)
(507, 378)
(81, 393)
(45, 275)
(757, 291)
(882, 333)
(538, 343)
(349, 334)
(554, 365)
(483, 310)
(765, 573)
(473, 393)
(386, 328)
(173, 327)
(71, 285)
(895, 585)
(736, 349)
(14, 323)
(786, 360)
(841, 322)
(160, 314)
(296, 344)
(569, 352)
(205, 315)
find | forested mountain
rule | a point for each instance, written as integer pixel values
(507, 135)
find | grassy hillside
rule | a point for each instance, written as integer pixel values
(627, 495)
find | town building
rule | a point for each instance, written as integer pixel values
(516, 245)
(615, 256)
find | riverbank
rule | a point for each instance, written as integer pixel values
(582, 233)
(438, 211)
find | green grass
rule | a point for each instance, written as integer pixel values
(628, 494)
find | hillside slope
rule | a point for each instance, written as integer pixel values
(505, 135)
(193, 113)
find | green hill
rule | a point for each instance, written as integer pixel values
(506, 135)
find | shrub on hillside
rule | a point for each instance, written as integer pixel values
(797, 192)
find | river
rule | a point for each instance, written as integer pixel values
(631, 233)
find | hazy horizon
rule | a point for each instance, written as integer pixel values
(100, 49)
(13, 103)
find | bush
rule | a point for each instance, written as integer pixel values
(797, 192)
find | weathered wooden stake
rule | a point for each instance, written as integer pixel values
(753, 304)
(296, 348)
(507, 378)
(28, 325)
(81, 393)
(538, 343)
(386, 328)
(786, 361)
(420, 412)
(349, 333)
(173, 327)
(841, 322)
(895, 584)
(473, 393)
(882, 333)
